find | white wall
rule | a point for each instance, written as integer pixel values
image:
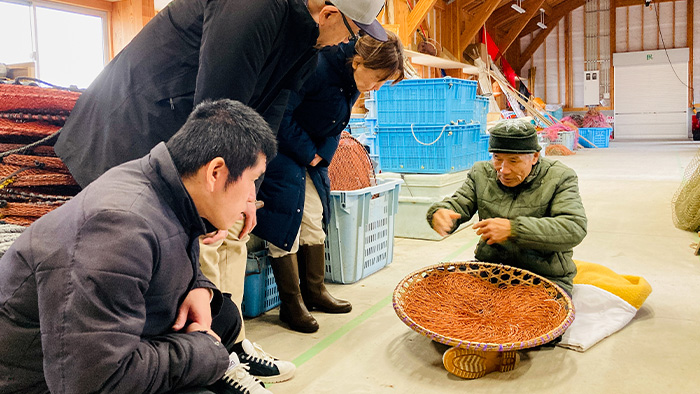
(637, 42)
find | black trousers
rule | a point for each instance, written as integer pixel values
(227, 324)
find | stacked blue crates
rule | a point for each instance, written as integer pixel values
(430, 126)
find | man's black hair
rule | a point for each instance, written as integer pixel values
(222, 128)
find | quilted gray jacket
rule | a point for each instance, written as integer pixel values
(89, 292)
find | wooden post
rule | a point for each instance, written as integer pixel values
(128, 18)
(401, 19)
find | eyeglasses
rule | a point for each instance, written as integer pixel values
(352, 35)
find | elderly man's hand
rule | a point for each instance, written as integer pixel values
(195, 309)
(444, 221)
(493, 231)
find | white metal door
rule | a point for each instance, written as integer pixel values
(651, 97)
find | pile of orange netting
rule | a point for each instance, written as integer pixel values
(484, 306)
(351, 167)
(33, 181)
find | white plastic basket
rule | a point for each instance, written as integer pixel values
(360, 237)
(566, 138)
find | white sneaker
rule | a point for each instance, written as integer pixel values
(237, 380)
(267, 368)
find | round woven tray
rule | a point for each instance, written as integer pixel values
(497, 274)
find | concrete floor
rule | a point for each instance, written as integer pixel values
(627, 191)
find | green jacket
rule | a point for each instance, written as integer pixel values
(546, 216)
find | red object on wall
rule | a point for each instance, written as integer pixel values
(494, 53)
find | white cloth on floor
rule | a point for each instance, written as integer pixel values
(599, 314)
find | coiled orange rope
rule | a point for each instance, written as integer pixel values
(460, 305)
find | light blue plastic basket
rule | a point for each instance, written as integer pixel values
(600, 136)
(426, 101)
(260, 292)
(434, 149)
(360, 237)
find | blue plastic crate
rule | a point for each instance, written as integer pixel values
(360, 237)
(260, 290)
(426, 101)
(484, 148)
(481, 111)
(600, 136)
(428, 149)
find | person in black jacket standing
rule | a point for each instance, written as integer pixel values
(296, 189)
(193, 50)
(105, 294)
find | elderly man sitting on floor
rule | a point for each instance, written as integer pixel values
(530, 212)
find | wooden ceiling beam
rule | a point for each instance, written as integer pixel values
(627, 3)
(473, 21)
(532, 8)
(420, 10)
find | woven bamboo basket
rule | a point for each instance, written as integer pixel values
(496, 274)
(351, 167)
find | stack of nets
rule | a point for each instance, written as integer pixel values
(33, 181)
(685, 205)
(351, 167)
(483, 306)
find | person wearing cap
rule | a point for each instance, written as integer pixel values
(254, 52)
(193, 50)
(530, 217)
(530, 210)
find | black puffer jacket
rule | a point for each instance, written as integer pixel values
(249, 51)
(312, 124)
(89, 292)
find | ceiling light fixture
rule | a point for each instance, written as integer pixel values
(541, 24)
(516, 6)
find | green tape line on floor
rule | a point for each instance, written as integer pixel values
(347, 327)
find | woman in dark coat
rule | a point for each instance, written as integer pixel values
(296, 190)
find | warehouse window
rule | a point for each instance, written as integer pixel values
(67, 45)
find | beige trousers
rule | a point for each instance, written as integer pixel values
(311, 230)
(223, 263)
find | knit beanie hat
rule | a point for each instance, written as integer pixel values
(513, 136)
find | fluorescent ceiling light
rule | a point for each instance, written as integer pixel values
(517, 8)
(541, 25)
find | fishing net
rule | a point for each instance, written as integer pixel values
(558, 150)
(33, 181)
(36, 100)
(685, 204)
(351, 167)
(484, 306)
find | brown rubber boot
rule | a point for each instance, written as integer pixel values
(312, 268)
(292, 308)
